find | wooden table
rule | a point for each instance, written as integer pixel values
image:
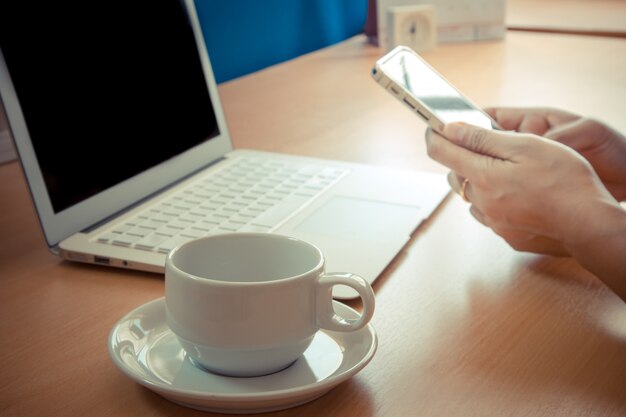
(590, 17)
(467, 326)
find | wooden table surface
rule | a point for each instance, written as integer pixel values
(466, 325)
(591, 17)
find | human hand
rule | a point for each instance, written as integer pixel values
(538, 194)
(602, 146)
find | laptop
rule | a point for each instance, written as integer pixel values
(117, 121)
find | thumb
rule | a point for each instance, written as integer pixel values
(479, 140)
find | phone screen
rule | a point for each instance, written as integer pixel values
(426, 85)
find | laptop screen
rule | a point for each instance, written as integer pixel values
(107, 89)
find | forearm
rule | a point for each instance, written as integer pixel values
(603, 252)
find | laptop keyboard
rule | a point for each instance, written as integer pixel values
(249, 195)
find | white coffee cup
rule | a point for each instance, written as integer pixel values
(249, 304)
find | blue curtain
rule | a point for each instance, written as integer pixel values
(244, 36)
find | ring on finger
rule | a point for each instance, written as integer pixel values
(462, 192)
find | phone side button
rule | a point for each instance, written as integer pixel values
(422, 114)
(408, 103)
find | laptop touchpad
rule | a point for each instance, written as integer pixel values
(359, 219)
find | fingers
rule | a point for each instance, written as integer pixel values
(478, 215)
(448, 153)
(474, 152)
(459, 185)
(525, 242)
(580, 134)
(520, 120)
(478, 140)
(520, 240)
(530, 120)
(491, 144)
(455, 181)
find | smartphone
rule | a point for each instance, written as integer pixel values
(425, 92)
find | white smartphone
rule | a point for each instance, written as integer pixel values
(426, 92)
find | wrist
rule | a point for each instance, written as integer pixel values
(602, 251)
(604, 220)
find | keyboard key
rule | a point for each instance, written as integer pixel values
(182, 205)
(160, 218)
(107, 237)
(173, 211)
(125, 240)
(138, 231)
(171, 243)
(122, 228)
(192, 233)
(255, 229)
(149, 224)
(188, 219)
(166, 231)
(151, 241)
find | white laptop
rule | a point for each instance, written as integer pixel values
(120, 131)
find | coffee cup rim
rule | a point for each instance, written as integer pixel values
(187, 275)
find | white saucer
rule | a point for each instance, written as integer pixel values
(143, 347)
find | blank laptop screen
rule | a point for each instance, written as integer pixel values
(108, 89)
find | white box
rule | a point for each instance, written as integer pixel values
(457, 20)
(414, 26)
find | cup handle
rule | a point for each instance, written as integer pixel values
(326, 316)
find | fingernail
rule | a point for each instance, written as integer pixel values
(454, 131)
